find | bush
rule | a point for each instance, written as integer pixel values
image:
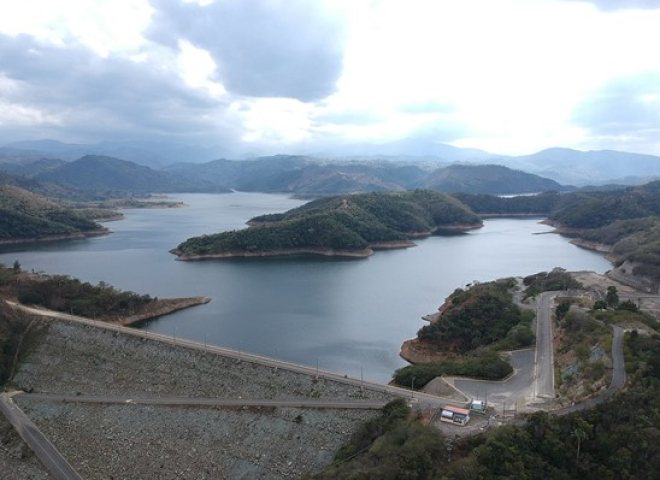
(487, 366)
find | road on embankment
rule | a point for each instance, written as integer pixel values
(421, 398)
(544, 371)
(45, 451)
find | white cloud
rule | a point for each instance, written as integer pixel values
(502, 75)
(197, 69)
(104, 26)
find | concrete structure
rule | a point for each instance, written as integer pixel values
(457, 415)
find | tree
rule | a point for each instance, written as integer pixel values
(16, 267)
(600, 305)
(628, 305)
(581, 433)
(612, 297)
(562, 309)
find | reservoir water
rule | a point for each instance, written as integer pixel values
(346, 315)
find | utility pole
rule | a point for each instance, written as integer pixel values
(412, 387)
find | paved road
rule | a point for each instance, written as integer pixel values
(46, 452)
(544, 375)
(511, 391)
(206, 402)
(422, 398)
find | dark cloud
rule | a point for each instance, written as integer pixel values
(263, 48)
(104, 97)
(627, 106)
(622, 4)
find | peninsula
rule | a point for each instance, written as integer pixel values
(344, 225)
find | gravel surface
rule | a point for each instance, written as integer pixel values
(136, 441)
(127, 442)
(70, 358)
(17, 462)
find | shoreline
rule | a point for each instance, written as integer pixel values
(364, 253)
(53, 238)
(324, 252)
(165, 307)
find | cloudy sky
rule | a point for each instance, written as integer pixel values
(507, 76)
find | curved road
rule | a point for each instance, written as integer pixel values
(46, 452)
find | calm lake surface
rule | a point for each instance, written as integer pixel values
(347, 315)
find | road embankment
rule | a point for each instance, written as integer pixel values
(161, 308)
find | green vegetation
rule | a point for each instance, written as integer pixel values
(347, 222)
(12, 326)
(24, 215)
(557, 279)
(70, 295)
(65, 294)
(479, 317)
(541, 204)
(390, 447)
(636, 240)
(618, 439)
(487, 179)
(599, 209)
(486, 365)
(102, 174)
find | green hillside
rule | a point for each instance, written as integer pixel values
(346, 223)
(107, 174)
(25, 215)
(494, 179)
(598, 209)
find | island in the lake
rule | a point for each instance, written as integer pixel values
(344, 225)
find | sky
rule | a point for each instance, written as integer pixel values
(285, 76)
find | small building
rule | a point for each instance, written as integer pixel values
(457, 415)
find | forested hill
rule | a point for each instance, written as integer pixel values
(107, 174)
(624, 222)
(627, 222)
(26, 216)
(580, 209)
(341, 225)
(598, 209)
(494, 179)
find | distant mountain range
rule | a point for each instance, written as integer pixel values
(307, 176)
(566, 166)
(282, 173)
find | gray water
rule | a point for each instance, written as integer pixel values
(347, 315)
